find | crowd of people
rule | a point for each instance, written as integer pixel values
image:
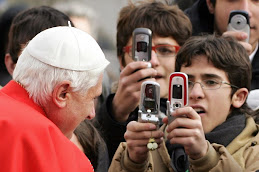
(60, 111)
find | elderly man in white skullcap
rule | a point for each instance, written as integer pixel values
(56, 79)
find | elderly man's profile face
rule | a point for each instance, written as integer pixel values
(80, 107)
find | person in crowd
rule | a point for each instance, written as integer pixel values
(212, 16)
(24, 27)
(81, 15)
(170, 29)
(92, 144)
(28, 24)
(55, 81)
(5, 23)
(215, 129)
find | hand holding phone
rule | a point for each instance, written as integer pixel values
(239, 21)
(178, 93)
(142, 44)
(138, 133)
(149, 102)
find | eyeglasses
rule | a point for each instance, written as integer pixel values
(161, 50)
(209, 84)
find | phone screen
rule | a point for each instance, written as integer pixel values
(141, 46)
(177, 91)
(150, 98)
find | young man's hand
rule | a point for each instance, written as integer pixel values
(240, 37)
(127, 96)
(187, 130)
(137, 137)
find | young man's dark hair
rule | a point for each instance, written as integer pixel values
(29, 23)
(5, 24)
(164, 21)
(211, 16)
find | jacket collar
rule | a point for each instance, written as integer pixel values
(245, 136)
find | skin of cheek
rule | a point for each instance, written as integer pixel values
(221, 20)
(168, 68)
(219, 108)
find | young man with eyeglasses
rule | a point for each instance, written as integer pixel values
(212, 16)
(217, 131)
(170, 29)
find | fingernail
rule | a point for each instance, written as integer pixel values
(161, 134)
(244, 35)
(152, 126)
(149, 65)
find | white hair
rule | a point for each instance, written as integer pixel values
(39, 79)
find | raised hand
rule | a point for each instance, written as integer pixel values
(240, 37)
(137, 137)
(187, 130)
(128, 94)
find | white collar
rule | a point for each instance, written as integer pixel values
(251, 56)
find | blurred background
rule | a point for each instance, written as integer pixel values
(102, 16)
(105, 13)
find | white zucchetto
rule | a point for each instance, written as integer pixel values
(67, 48)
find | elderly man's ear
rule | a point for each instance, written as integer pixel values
(62, 94)
(10, 65)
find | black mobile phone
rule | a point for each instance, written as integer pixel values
(142, 44)
(239, 21)
(149, 102)
(178, 93)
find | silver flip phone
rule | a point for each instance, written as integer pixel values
(239, 21)
(142, 44)
(178, 93)
(149, 103)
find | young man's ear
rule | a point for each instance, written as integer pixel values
(239, 98)
(210, 6)
(10, 65)
(62, 93)
(121, 63)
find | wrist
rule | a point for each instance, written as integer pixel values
(137, 159)
(130, 165)
(201, 154)
(117, 113)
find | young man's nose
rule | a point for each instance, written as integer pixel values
(154, 59)
(245, 5)
(196, 92)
